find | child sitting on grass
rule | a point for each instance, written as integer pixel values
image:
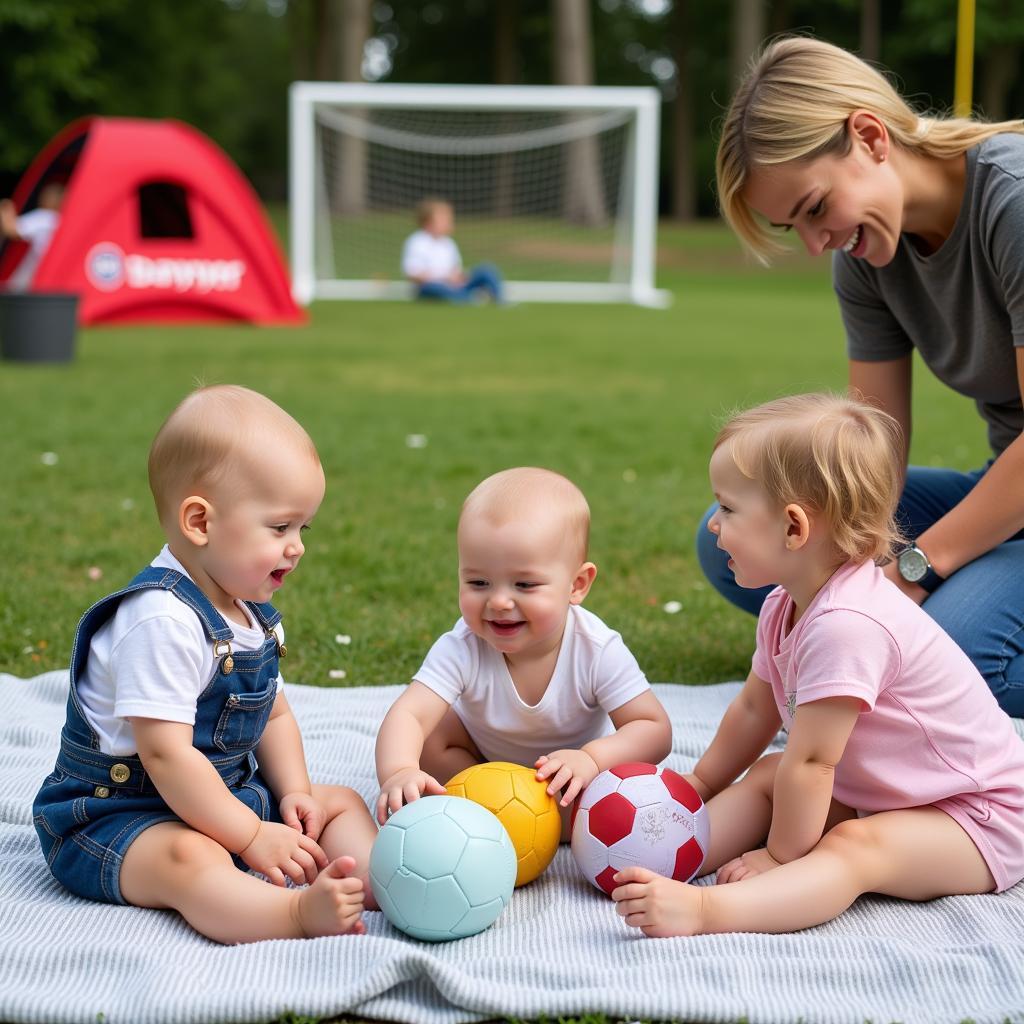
(180, 759)
(901, 775)
(527, 675)
(431, 260)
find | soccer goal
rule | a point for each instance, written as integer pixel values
(556, 185)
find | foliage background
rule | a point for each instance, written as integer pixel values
(224, 65)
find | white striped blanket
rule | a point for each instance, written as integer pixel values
(558, 950)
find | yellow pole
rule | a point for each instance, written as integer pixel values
(964, 58)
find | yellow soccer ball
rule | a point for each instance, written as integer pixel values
(522, 805)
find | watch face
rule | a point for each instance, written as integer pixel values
(912, 565)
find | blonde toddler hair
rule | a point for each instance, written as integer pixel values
(529, 491)
(214, 432)
(426, 208)
(837, 457)
(793, 104)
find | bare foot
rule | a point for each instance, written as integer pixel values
(660, 907)
(333, 904)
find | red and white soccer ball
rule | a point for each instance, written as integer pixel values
(639, 814)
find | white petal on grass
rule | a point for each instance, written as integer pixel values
(128, 504)
(94, 572)
(672, 607)
(49, 458)
(337, 673)
(342, 638)
(415, 440)
(629, 476)
(28, 650)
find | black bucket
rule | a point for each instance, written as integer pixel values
(38, 327)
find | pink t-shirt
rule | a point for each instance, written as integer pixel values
(930, 731)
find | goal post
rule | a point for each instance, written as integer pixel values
(556, 185)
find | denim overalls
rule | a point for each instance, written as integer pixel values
(94, 805)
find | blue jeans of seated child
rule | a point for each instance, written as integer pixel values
(485, 279)
(981, 606)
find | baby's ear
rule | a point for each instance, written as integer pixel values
(582, 582)
(194, 520)
(798, 527)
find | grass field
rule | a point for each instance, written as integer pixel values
(623, 400)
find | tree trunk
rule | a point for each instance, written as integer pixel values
(583, 190)
(871, 30)
(684, 193)
(998, 74)
(506, 72)
(748, 30)
(352, 18)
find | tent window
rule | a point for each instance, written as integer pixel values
(163, 211)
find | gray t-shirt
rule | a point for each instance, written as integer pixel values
(962, 307)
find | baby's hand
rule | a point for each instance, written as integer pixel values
(303, 813)
(757, 862)
(402, 788)
(279, 850)
(569, 770)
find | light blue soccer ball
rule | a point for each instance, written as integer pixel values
(442, 868)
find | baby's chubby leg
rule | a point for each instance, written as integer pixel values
(449, 749)
(916, 854)
(171, 866)
(349, 831)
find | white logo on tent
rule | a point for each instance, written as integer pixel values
(108, 268)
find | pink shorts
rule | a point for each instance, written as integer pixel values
(995, 822)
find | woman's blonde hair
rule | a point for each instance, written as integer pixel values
(836, 457)
(793, 104)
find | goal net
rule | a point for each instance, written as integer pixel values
(555, 185)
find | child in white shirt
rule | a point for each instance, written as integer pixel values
(180, 759)
(35, 228)
(431, 260)
(526, 675)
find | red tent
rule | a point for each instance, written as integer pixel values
(157, 225)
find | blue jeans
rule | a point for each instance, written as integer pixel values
(981, 606)
(485, 279)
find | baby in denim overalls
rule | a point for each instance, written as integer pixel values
(180, 759)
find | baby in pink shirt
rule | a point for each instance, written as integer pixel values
(901, 775)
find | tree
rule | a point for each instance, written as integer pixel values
(684, 193)
(583, 190)
(748, 31)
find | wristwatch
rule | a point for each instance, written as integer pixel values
(914, 567)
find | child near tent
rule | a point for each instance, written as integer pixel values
(527, 675)
(180, 759)
(431, 260)
(901, 775)
(35, 228)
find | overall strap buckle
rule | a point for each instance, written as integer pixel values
(227, 665)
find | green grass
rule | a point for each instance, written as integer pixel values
(623, 400)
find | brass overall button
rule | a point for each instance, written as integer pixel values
(101, 791)
(120, 773)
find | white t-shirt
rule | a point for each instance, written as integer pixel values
(36, 228)
(595, 673)
(430, 257)
(152, 659)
